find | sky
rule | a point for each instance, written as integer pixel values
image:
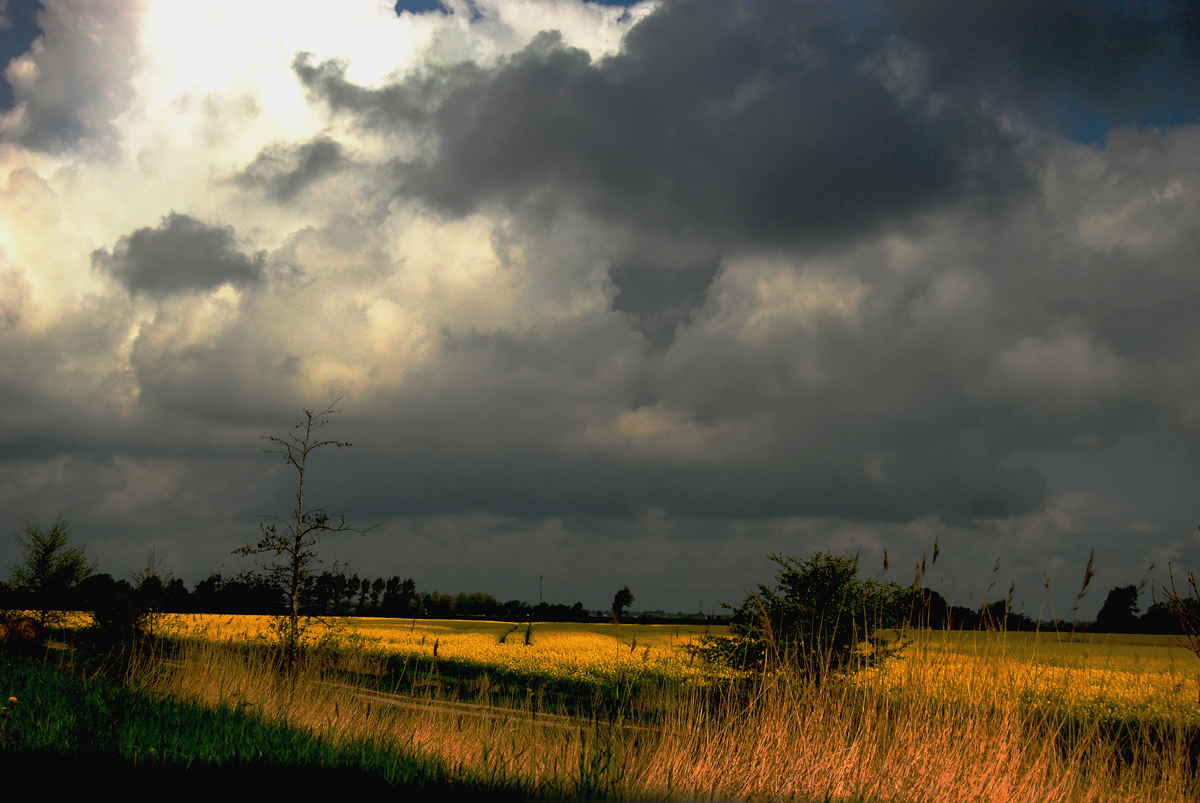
(610, 294)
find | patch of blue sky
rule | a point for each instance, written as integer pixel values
(1174, 100)
(418, 6)
(424, 6)
(16, 38)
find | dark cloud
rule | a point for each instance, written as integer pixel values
(181, 254)
(942, 481)
(1117, 57)
(1186, 16)
(724, 127)
(410, 103)
(754, 124)
(1093, 47)
(486, 429)
(658, 298)
(285, 170)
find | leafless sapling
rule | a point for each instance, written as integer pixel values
(1186, 608)
(292, 541)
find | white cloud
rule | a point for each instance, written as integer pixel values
(662, 435)
(1065, 367)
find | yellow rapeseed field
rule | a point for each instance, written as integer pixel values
(1146, 676)
(592, 653)
(1150, 677)
(955, 719)
(69, 619)
(597, 653)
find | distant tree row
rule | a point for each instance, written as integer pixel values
(341, 594)
(332, 593)
(927, 608)
(1119, 614)
(484, 606)
(57, 577)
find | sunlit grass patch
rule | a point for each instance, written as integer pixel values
(590, 653)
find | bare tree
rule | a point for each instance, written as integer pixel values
(293, 540)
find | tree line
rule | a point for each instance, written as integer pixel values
(1120, 613)
(334, 593)
(56, 576)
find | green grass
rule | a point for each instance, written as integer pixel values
(72, 727)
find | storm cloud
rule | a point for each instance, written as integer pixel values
(182, 253)
(763, 128)
(656, 289)
(284, 171)
(1116, 56)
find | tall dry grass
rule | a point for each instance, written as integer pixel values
(780, 738)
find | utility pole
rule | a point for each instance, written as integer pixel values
(539, 589)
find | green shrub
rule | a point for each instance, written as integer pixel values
(813, 620)
(50, 567)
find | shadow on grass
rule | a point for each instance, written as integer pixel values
(62, 771)
(74, 732)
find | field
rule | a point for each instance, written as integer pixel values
(597, 654)
(555, 711)
(1151, 678)
(1110, 674)
(629, 712)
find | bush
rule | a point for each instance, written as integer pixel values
(813, 620)
(50, 568)
(127, 615)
